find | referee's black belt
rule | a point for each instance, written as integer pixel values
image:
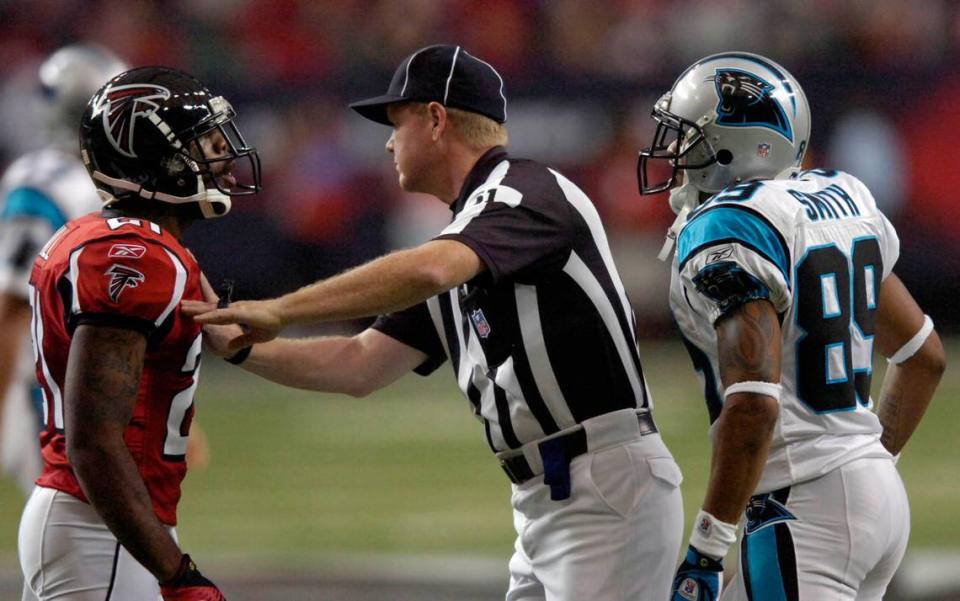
(573, 444)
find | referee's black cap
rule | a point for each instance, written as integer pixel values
(445, 74)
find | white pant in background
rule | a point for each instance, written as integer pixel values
(19, 438)
(841, 539)
(68, 554)
(617, 538)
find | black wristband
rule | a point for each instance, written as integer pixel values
(240, 356)
(186, 566)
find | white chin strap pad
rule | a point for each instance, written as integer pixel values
(215, 200)
(683, 199)
(685, 196)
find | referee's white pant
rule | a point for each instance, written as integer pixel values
(843, 539)
(67, 553)
(616, 538)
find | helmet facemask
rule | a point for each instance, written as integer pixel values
(239, 161)
(234, 171)
(678, 141)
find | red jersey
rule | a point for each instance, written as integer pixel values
(129, 273)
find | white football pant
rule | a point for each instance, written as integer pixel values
(68, 554)
(617, 538)
(19, 438)
(840, 538)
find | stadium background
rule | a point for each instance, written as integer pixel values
(395, 496)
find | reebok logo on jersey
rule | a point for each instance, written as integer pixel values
(127, 251)
(121, 278)
(719, 254)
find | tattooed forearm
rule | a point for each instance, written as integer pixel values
(101, 389)
(749, 343)
(889, 413)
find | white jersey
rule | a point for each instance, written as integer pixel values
(39, 192)
(818, 248)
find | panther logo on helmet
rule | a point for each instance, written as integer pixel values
(746, 100)
(122, 105)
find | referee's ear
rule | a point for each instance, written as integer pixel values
(438, 118)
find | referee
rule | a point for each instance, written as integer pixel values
(521, 294)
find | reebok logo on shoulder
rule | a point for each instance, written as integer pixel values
(127, 251)
(720, 254)
(121, 278)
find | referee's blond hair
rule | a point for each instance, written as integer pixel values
(475, 130)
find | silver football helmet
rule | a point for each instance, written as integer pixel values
(729, 118)
(68, 78)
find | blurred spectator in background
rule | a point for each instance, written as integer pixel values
(579, 70)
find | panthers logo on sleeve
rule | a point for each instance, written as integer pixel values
(745, 100)
(121, 278)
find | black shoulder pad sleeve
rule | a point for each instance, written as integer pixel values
(729, 285)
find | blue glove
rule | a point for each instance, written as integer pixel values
(699, 578)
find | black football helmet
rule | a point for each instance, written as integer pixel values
(151, 132)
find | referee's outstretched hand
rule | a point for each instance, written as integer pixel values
(257, 318)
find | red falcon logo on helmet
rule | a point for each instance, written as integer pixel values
(122, 105)
(121, 278)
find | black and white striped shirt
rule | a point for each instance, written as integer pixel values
(545, 337)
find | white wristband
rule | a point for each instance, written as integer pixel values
(712, 537)
(913, 345)
(765, 388)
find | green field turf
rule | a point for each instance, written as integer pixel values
(296, 476)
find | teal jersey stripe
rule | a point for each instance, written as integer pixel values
(733, 224)
(30, 202)
(766, 581)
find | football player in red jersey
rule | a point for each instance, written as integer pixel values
(116, 359)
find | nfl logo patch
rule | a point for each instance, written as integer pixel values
(705, 525)
(763, 150)
(480, 323)
(689, 589)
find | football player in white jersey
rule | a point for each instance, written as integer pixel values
(783, 288)
(39, 192)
